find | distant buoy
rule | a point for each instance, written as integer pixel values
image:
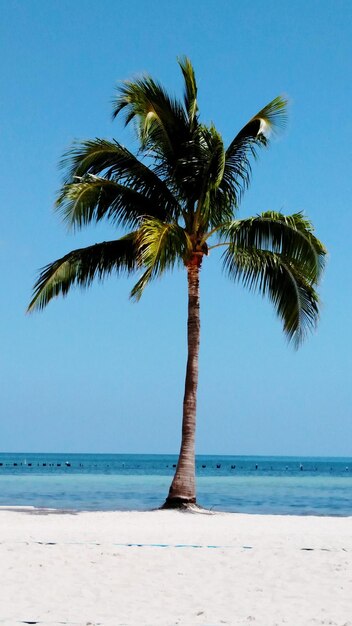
(67, 464)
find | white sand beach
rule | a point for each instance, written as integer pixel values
(208, 570)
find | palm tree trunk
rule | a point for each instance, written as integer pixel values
(183, 487)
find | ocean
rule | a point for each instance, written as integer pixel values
(244, 484)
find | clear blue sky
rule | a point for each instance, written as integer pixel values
(95, 372)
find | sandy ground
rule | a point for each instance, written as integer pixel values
(214, 569)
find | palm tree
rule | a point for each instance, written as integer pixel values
(178, 200)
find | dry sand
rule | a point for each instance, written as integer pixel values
(249, 569)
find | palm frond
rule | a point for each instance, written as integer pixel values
(214, 158)
(190, 95)
(114, 162)
(80, 267)
(161, 119)
(92, 199)
(160, 246)
(271, 119)
(165, 132)
(289, 235)
(254, 134)
(211, 206)
(283, 281)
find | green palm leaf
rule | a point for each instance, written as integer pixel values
(114, 162)
(190, 95)
(211, 206)
(283, 281)
(92, 199)
(81, 267)
(289, 235)
(160, 246)
(161, 119)
(212, 147)
(165, 131)
(254, 134)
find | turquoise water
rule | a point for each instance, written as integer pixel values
(275, 485)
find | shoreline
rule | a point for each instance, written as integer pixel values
(38, 510)
(161, 568)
